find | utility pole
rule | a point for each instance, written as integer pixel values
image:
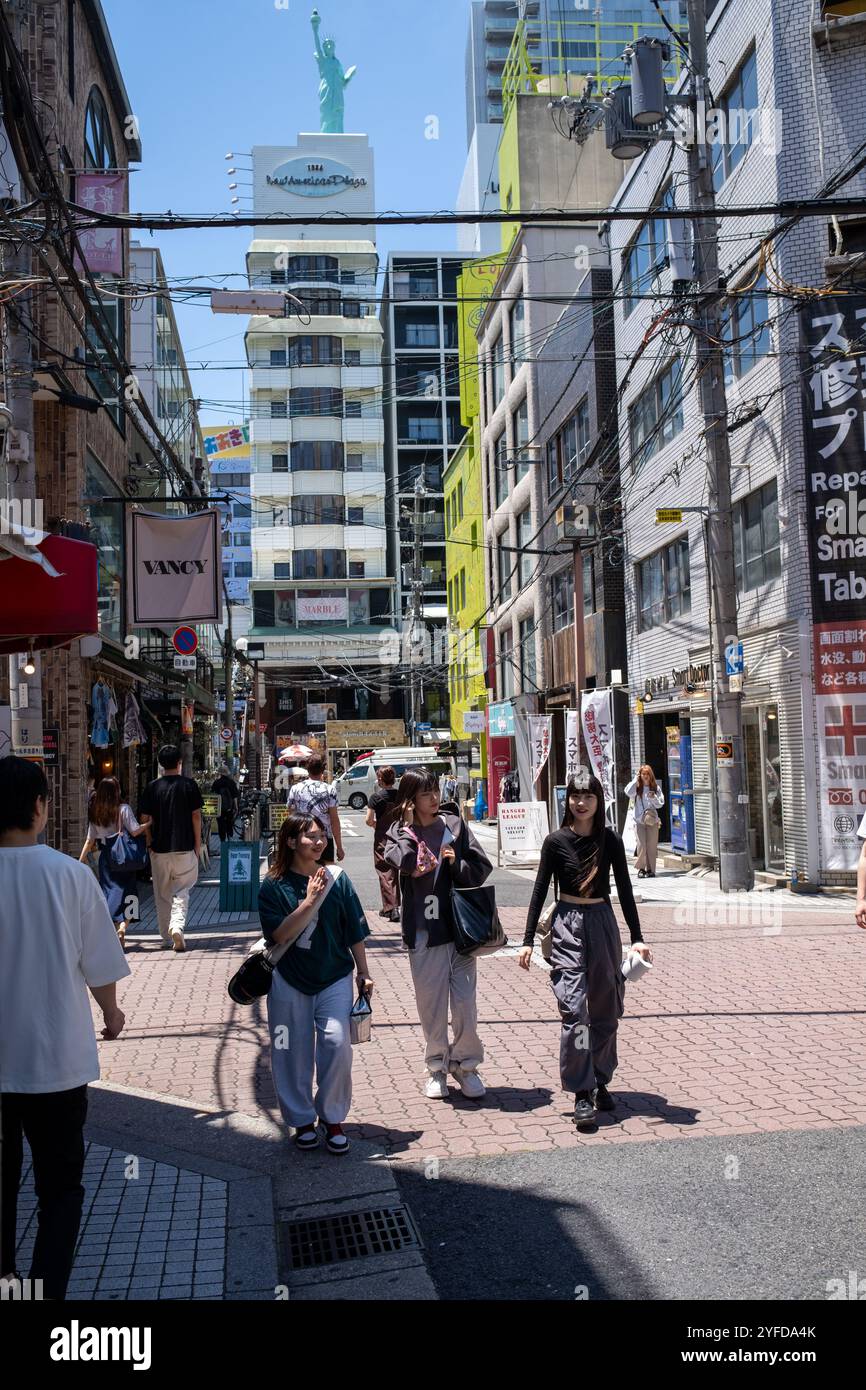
(25, 690)
(735, 865)
(417, 619)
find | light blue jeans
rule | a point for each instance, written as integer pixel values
(311, 1032)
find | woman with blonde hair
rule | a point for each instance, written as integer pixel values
(648, 801)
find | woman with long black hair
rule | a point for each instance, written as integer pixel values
(433, 851)
(586, 953)
(314, 910)
(109, 814)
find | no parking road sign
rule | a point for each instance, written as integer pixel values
(226, 735)
(185, 640)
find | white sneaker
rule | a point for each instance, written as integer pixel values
(177, 941)
(436, 1086)
(469, 1082)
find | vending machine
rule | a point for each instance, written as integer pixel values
(680, 790)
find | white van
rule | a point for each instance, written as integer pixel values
(355, 787)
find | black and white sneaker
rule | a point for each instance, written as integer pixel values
(584, 1114)
(306, 1137)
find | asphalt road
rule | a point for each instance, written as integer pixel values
(665, 1220)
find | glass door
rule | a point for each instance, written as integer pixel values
(764, 786)
(775, 838)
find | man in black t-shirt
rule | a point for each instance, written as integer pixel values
(381, 804)
(174, 803)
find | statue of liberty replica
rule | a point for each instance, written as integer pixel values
(332, 82)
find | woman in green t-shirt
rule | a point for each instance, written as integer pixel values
(314, 910)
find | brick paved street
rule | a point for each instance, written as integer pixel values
(735, 1031)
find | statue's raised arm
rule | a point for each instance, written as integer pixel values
(316, 21)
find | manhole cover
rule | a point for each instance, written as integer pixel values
(329, 1240)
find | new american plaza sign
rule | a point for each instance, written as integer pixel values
(314, 178)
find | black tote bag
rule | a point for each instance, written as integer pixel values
(477, 928)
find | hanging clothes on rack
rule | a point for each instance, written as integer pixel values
(134, 731)
(101, 699)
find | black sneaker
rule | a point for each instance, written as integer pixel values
(641, 873)
(584, 1114)
(306, 1137)
(602, 1098)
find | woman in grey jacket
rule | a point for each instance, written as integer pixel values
(433, 850)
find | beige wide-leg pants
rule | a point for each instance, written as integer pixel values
(440, 977)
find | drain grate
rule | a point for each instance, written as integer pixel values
(327, 1240)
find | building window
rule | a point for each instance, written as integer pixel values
(70, 48)
(312, 455)
(312, 268)
(524, 539)
(505, 564)
(351, 308)
(506, 663)
(98, 140)
(352, 410)
(315, 400)
(656, 417)
(498, 371)
(562, 600)
(278, 410)
(279, 463)
(460, 500)
(500, 470)
(354, 463)
(317, 350)
(318, 511)
(739, 106)
(352, 357)
(474, 535)
(105, 520)
(355, 516)
(552, 458)
(645, 256)
(515, 324)
(318, 302)
(243, 569)
(527, 656)
(278, 357)
(746, 329)
(463, 588)
(356, 569)
(757, 551)
(664, 585)
(319, 564)
(282, 569)
(588, 583)
(520, 429)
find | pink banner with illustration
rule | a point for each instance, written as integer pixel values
(598, 734)
(101, 247)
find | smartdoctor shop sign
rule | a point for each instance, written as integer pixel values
(315, 178)
(834, 384)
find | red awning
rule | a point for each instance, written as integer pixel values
(38, 611)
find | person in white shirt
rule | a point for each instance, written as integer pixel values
(57, 941)
(648, 801)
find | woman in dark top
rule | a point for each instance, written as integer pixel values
(226, 789)
(379, 809)
(449, 855)
(315, 911)
(586, 951)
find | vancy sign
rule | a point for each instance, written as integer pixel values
(314, 178)
(174, 570)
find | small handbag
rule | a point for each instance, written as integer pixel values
(253, 979)
(651, 817)
(361, 1019)
(425, 859)
(545, 930)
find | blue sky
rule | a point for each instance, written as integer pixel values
(208, 76)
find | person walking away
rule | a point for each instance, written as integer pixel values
(57, 941)
(586, 953)
(317, 798)
(227, 789)
(174, 804)
(317, 913)
(648, 801)
(379, 808)
(110, 814)
(433, 851)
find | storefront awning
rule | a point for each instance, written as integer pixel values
(50, 600)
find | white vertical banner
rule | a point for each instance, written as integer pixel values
(596, 714)
(572, 743)
(539, 744)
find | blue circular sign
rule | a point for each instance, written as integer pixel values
(185, 640)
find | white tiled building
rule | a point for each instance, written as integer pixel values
(765, 57)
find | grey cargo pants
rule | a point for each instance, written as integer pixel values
(587, 981)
